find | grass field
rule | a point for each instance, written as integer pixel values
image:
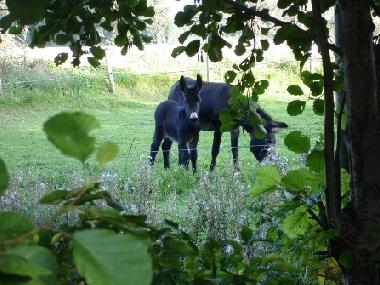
(127, 119)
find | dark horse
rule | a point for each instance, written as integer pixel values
(179, 122)
(214, 98)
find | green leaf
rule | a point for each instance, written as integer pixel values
(97, 52)
(15, 30)
(147, 12)
(282, 4)
(261, 86)
(316, 160)
(267, 179)
(227, 120)
(4, 177)
(319, 107)
(132, 3)
(36, 255)
(316, 88)
(183, 37)
(296, 223)
(13, 224)
(106, 152)
(178, 50)
(193, 48)
(295, 90)
(346, 259)
(27, 11)
(183, 18)
(54, 197)
(17, 265)
(248, 79)
(230, 76)
(93, 61)
(313, 80)
(61, 38)
(264, 44)
(297, 142)
(104, 257)
(239, 49)
(246, 234)
(346, 179)
(296, 107)
(214, 47)
(299, 180)
(61, 58)
(69, 132)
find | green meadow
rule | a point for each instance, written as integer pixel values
(126, 118)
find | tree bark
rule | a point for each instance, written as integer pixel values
(363, 142)
(343, 154)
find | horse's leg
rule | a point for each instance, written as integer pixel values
(183, 153)
(235, 147)
(166, 145)
(215, 148)
(157, 139)
(194, 152)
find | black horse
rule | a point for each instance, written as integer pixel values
(179, 122)
(214, 98)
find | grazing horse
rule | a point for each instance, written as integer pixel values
(179, 122)
(214, 98)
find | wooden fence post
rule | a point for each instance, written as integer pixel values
(110, 75)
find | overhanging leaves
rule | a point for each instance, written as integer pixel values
(27, 11)
(105, 257)
(297, 142)
(106, 152)
(297, 223)
(13, 224)
(267, 179)
(296, 107)
(295, 90)
(69, 132)
(299, 180)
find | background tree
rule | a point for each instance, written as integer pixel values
(162, 25)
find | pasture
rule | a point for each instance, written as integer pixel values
(126, 119)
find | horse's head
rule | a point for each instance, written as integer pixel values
(260, 147)
(192, 97)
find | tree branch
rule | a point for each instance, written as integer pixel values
(332, 191)
(323, 224)
(339, 145)
(335, 49)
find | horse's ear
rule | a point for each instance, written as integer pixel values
(277, 125)
(199, 82)
(182, 84)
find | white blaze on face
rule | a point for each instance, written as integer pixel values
(193, 115)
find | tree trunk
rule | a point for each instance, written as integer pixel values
(339, 96)
(361, 226)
